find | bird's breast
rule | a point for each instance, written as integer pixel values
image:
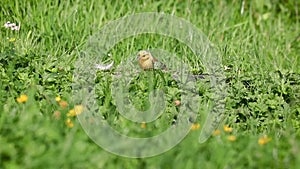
(146, 64)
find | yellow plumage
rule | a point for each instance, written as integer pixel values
(146, 60)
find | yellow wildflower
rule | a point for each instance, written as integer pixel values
(58, 99)
(231, 138)
(195, 126)
(227, 129)
(71, 113)
(216, 132)
(264, 140)
(23, 98)
(12, 39)
(69, 123)
(78, 109)
(143, 125)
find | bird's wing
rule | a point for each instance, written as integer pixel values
(154, 59)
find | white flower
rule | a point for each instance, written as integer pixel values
(7, 24)
(12, 26)
(104, 67)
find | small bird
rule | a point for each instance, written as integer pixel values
(147, 61)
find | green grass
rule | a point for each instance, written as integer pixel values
(261, 48)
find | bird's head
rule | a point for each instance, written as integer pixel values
(144, 55)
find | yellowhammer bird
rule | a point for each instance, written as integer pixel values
(147, 61)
